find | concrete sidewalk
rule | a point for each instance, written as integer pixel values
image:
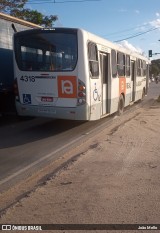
(115, 180)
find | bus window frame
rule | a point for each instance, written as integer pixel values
(93, 60)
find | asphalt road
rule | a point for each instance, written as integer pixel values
(27, 146)
(113, 177)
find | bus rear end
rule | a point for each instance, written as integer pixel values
(46, 74)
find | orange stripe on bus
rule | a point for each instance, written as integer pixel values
(122, 85)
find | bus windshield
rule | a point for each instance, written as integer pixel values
(46, 51)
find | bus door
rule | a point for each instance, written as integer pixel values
(104, 65)
(133, 80)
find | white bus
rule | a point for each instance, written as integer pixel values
(72, 74)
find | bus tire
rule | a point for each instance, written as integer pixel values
(121, 105)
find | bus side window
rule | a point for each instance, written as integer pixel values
(128, 66)
(121, 64)
(144, 68)
(93, 60)
(139, 67)
(114, 63)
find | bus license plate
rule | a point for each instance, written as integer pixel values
(47, 99)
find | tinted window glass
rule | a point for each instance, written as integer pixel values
(144, 68)
(46, 51)
(139, 67)
(127, 65)
(121, 64)
(93, 60)
(114, 63)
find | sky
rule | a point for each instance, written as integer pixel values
(114, 20)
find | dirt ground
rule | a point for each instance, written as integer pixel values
(115, 180)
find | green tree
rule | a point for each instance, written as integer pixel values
(17, 9)
(7, 5)
(155, 67)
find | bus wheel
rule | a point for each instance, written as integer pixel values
(121, 105)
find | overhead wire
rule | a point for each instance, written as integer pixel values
(55, 1)
(126, 30)
(138, 34)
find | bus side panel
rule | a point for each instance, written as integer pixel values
(95, 93)
(96, 99)
(83, 75)
(140, 84)
(114, 94)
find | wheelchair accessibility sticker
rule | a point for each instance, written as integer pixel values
(27, 98)
(96, 96)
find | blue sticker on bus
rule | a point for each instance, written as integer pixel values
(27, 98)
